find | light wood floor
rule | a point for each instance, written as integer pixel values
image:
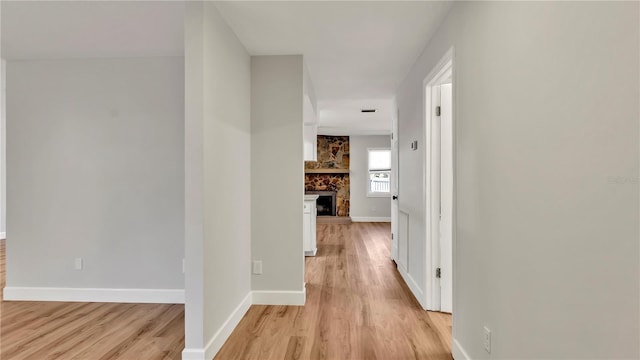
(357, 308)
(88, 331)
(336, 220)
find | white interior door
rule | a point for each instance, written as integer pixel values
(439, 186)
(394, 188)
(433, 198)
(446, 198)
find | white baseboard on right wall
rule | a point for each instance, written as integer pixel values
(458, 352)
(413, 285)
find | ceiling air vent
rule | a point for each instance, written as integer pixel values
(368, 110)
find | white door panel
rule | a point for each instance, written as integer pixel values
(446, 198)
(394, 188)
(433, 203)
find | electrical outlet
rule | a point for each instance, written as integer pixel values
(77, 263)
(374, 209)
(257, 267)
(487, 340)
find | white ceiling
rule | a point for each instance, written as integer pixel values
(357, 52)
(91, 29)
(344, 117)
(354, 50)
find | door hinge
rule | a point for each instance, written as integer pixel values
(437, 110)
(438, 273)
(391, 136)
(391, 236)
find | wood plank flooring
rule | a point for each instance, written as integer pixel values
(357, 308)
(88, 331)
(342, 220)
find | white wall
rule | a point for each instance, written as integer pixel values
(95, 171)
(277, 172)
(308, 89)
(546, 121)
(218, 176)
(3, 160)
(364, 207)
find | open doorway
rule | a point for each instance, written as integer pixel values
(440, 149)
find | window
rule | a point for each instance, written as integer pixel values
(379, 172)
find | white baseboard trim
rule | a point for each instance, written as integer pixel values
(147, 296)
(217, 340)
(193, 354)
(370, 219)
(413, 286)
(458, 352)
(279, 297)
(253, 298)
(3, 235)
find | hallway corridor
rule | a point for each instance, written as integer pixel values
(357, 308)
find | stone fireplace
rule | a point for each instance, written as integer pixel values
(336, 183)
(326, 203)
(330, 175)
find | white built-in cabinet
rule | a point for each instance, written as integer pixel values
(310, 131)
(309, 225)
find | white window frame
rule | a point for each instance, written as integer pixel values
(376, 194)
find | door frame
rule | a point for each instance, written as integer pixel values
(440, 73)
(395, 176)
(3, 151)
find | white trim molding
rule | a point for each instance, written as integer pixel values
(370, 219)
(413, 286)
(458, 352)
(193, 354)
(443, 70)
(3, 236)
(369, 170)
(261, 297)
(253, 298)
(217, 340)
(143, 296)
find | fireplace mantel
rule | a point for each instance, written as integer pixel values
(326, 171)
